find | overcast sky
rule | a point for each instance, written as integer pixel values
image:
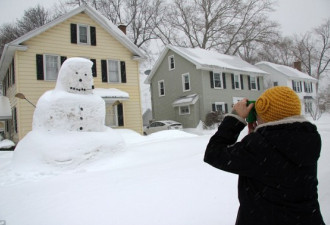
(295, 16)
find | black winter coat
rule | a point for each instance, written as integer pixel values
(277, 168)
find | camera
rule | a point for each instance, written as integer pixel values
(252, 117)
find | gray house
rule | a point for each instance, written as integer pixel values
(188, 83)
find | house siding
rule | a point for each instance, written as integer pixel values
(57, 41)
(200, 84)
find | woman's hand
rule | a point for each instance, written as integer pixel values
(242, 109)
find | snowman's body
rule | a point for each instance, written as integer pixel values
(68, 124)
(72, 105)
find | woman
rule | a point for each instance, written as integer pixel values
(276, 163)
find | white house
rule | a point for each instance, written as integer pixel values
(280, 75)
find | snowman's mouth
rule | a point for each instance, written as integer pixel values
(81, 89)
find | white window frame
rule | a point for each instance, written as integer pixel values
(237, 81)
(184, 80)
(255, 83)
(184, 113)
(118, 71)
(309, 87)
(87, 34)
(221, 80)
(159, 88)
(170, 58)
(296, 87)
(222, 104)
(112, 116)
(45, 66)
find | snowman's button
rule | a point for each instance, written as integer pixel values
(81, 108)
(80, 80)
(81, 118)
(81, 128)
(76, 72)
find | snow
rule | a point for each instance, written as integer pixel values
(6, 144)
(287, 71)
(156, 179)
(111, 93)
(212, 58)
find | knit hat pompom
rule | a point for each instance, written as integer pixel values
(278, 103)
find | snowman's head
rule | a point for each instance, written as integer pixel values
(75, 76)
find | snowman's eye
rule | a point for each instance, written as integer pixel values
(85, 74)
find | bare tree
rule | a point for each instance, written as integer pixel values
(313, 50)
(33, 18)
(8, 33)
(227, 26)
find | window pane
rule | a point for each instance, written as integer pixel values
(113, 71)
(217, 80)
(51, 67)
(253, 83)
(83, 34)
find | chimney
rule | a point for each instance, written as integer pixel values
(297, 65)
(122, 27)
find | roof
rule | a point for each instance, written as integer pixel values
(208, 60)
(113, 30)
(5, 110)
(287, 71)
(186, 100)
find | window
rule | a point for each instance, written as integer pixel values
(237, 82)
(184, 110)
(171, 62)
(220, 107)
(217, 80)
(275, 83)
(83, 34)
(308, 106)
(186, 82)
(308, 87)
(114, 115)
(296, 86)
(113, 71)
(253, 83)
(51, 66)
(161, 88)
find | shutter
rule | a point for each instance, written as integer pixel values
(242, 85)
(226, 108)
(211, 79)
(73, 33)
(224, 80)
(13, 70)
(258, 83)
(120, 114)
(93, 35)
(104, 71)
(213, 108)
(40, 67)
(15, 119)
(300, 86)
(232, 81)
(94, 68)
(293, 86)
(305, 89)
(249, 82)
(63, 58)
(123, 71)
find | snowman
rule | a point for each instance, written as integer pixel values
(68, 127)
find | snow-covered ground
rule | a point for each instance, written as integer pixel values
(156, 179)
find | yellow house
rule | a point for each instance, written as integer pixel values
(29, 65)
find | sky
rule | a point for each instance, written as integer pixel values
(295, 16)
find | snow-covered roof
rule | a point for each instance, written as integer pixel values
(287, 71)
(208, 60)
(111, 93)
(186, 100)
(105, 23)
(5, 110)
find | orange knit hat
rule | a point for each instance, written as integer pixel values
(277, 103)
